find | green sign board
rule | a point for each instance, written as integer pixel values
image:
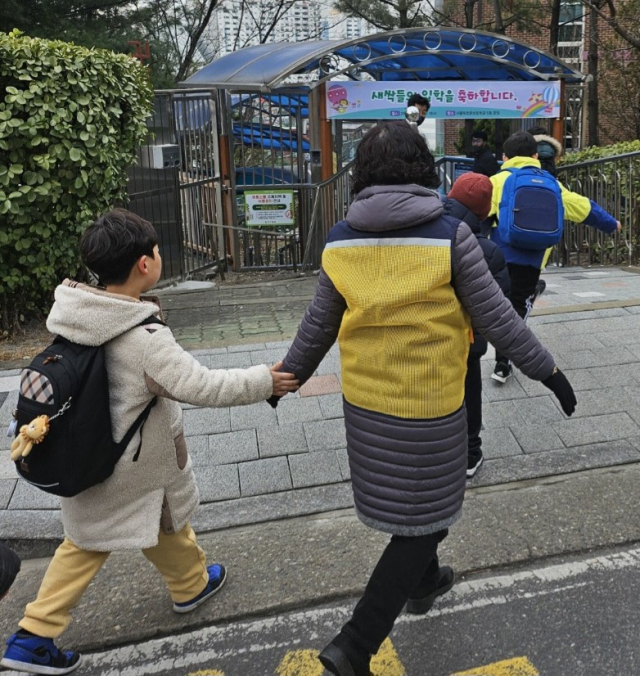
(268, 207)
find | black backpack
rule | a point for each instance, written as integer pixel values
(68, 382)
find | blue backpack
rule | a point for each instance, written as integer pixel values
(531, 214)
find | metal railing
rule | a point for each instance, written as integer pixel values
(261, 249)
(330, 202)
(449, 168)
(612, 183)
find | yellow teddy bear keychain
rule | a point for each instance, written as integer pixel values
(30, 434)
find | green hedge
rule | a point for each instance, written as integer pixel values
(596, 152)
(71, 121)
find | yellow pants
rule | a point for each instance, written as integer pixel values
(176, 556)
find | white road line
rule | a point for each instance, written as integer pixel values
(195, 648)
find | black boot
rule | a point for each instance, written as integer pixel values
(446, 580)
(343, 658)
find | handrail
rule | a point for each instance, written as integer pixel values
(257, 228)
(332, 180)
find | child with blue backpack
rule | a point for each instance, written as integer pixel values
(147, 502)
(541, 211)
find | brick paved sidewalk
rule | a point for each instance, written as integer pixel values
(256, 464)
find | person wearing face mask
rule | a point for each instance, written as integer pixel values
(422, 104)
(485, 161)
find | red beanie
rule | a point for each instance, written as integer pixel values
(474, 192)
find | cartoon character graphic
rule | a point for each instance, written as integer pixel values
(337, 96)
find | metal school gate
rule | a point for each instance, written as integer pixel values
(176, 183)
(193, 172)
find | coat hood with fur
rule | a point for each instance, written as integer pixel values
(549, 140)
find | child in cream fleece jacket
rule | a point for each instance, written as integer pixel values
(144, 504)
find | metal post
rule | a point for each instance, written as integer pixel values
(558, 123)
(227, 176)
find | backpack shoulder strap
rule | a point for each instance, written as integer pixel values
(151, 320)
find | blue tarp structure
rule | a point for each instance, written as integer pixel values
(197, 114)
(267, 137)
(290, 103)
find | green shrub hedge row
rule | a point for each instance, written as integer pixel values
(71, 121)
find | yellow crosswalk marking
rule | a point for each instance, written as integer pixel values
(207, 672)
(518, 666)
(387, 662)
(305, 663)
(300, 663)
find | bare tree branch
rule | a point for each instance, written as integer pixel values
(194, 38)
(612, 20)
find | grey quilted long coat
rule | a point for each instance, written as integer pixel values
(408, 472)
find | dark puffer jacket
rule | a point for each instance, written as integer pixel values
(492, 255)
(485, 163)
(408, 473)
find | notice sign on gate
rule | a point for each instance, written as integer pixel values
(268, 207)
(449, 99)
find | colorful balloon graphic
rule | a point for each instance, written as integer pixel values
(551, 95)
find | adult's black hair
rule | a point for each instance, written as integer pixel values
(481, 134)
(111, 246)
(419, 100)
(393, 153)
(537, 131)
(520, 144)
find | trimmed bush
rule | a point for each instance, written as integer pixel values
(71, 122)
(596, 152)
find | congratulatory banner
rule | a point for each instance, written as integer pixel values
(449, 100)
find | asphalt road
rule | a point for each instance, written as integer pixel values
(575, 616)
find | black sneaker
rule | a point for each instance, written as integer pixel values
(37, 655)
(502, 372)
(540, 287)
(474, 462)
(446, 580)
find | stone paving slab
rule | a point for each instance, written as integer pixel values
(255, 463)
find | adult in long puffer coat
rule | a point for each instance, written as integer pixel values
(400, 288)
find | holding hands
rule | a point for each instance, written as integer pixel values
(283, 382)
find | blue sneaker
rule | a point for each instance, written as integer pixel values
(217, 577)
(37, 655)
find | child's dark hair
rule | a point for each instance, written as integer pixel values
(111, 246)
(393, 153)
(419, 100)
(537, 131)
(520, 144)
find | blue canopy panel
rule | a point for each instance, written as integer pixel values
(267, 137)
(439, 53)
(291, 103)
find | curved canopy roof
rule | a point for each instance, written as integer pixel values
(432, 53)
